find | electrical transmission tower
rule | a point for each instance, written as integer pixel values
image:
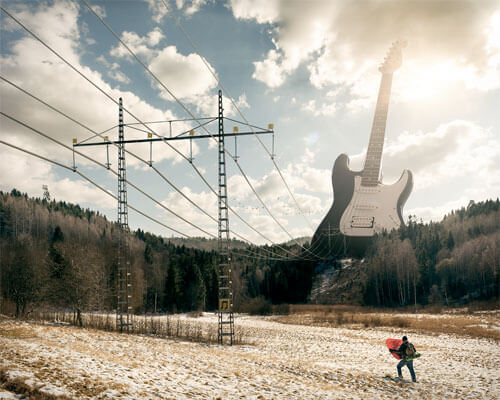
(225, 312)
(124, 279)
(124, 290)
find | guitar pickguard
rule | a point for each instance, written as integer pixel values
(373, 209)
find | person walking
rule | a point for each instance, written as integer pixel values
(405, 351)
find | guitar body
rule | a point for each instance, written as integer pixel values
(327, 240)
(362, 205)
(358, 212)
(373, 209)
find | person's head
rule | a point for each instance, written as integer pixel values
(405, 338)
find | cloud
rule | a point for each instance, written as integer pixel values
(140, 45)
(263, 11)
(34, 68)
(341, 43)
(119, 76)
(158, 9)
(99, 10)
(308, 184)
(28, 174)
(186, 76)
(191, 7)
(454, 149)
(177, 203)
(459, 159)
(324, 109)
(31, 66)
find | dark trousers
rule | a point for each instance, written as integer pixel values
(409, 364)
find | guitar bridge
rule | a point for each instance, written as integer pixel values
(362, 222)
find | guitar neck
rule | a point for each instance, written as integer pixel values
(371, 170)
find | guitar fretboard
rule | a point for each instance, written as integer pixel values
(371, 170)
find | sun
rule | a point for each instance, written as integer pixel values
(424, 81)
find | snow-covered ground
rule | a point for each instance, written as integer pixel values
(280, 361)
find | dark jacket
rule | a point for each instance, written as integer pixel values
(402, 350)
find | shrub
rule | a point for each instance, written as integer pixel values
(281, 309)
(257, 306)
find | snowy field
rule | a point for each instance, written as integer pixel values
(279, 361)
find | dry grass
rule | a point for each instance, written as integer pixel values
(16, 333)
(165, 326)
(460, 322)
(19, 386)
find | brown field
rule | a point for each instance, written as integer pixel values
(473, 321)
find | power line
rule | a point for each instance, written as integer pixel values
(93, 183)
(189, 112)
(142, 123)
(129, 206)
(114, 172)
(135, 117)
(129, 152)
(235, 251)
(109, 169)
(100, 135)
(271, 156)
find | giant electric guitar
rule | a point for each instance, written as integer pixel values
(362, 205)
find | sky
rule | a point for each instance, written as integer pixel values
(308, 67)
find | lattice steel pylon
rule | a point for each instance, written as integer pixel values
(225, 311)
(124, 281)
(124, 319)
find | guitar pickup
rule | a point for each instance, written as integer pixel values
(362, 222)
(365, 207)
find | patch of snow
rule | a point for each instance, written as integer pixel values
(281, 362)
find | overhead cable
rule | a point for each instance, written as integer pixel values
(95, 184)
(137, 119)
(212, 72)
(142, 123)
(109, 169)
(189, 112)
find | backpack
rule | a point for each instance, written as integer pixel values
(410, 350)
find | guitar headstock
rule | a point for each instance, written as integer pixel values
(394, 57)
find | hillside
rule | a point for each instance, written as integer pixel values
(55, 254)
(449, 263)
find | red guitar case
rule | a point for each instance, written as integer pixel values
(393, 344)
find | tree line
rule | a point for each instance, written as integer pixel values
(449, 262)
(56, 254)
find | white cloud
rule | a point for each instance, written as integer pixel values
(185, 76)
(34, 68)
(270, 71)
(194, 6)
(140, 45)
(342, 42)
(158, 9)
(119, 76)
(28, 174)
(307, 183)
(177, 203)
(263, 11)
(324, 109)
(99, 10)
(454, 149)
